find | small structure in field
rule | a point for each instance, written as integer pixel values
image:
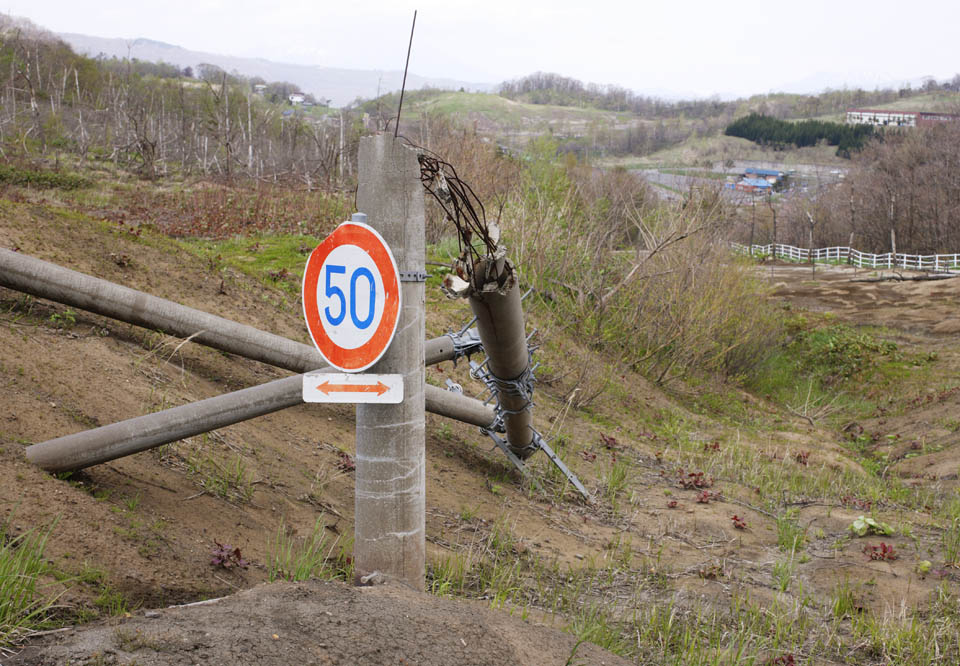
(891, 118)
(755, 185)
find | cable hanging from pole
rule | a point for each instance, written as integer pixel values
(403, 86)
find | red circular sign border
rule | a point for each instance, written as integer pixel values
(370, 241)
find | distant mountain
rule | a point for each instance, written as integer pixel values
(340, 86)
(867, 80)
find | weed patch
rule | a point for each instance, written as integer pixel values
(22, 606)
(13, 175)
(315, 555)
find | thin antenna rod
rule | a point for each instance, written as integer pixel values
(396, 126)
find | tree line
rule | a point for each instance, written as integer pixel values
(555, 89)
(768, 131)
(151, 118)
(907, 184)
(901, 191)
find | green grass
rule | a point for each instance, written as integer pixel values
(225, 480)
(935, 101)
(506, 113)
(790, 535)
(111, 602)
(23, 607)
(41, 179)
(951, 543)
(832, 372)
(274, 259)
(447, 576)
(313, 556)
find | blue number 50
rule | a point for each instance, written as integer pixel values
(333, 291)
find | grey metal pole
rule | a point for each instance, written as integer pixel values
(56, 283)
(390, 509)
(124, 438)
(80, 450)
(100, 445)
(504, 337)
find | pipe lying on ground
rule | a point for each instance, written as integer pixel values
(45, 280)
(100, 445)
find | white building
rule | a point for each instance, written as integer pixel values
(889, 118)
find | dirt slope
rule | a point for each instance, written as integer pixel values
(138, 532)
(319, 623)
(919, 433)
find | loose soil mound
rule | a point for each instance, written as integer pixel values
(318, 623)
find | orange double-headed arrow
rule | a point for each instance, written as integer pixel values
(356, 388)
(379, 388)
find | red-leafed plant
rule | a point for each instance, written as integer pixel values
(226, 557)
(881, 552)
(346, 463)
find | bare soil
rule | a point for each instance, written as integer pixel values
(319, 623)
(920, 440)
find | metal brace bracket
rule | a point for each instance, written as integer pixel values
(538, 443)
(465, 342)
(555, 459)
(502, 445)
(454, 387)
(413, 276)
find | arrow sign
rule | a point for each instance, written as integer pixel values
(352, 388)
(379, 388)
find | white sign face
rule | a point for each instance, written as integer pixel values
(351, 297)
(352, 387)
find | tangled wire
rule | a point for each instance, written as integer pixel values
(461, 206)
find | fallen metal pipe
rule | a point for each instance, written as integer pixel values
(45, 280)
(100, 445)
(500, 323)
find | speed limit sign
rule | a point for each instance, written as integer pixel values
(351, 297)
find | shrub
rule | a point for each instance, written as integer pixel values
(13, 175)
(649, 284)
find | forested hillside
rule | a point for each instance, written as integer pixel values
(154, 120)
(766, 130)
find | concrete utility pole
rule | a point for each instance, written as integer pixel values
(389, 533)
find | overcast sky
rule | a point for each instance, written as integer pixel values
(684, 47)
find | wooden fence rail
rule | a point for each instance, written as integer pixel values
(941, 263)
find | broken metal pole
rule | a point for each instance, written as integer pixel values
(124, 438)
(502, 331)
(56, 283)
(390, 498)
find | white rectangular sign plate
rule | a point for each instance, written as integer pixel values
(352, 387)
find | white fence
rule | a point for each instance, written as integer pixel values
(943, 263)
